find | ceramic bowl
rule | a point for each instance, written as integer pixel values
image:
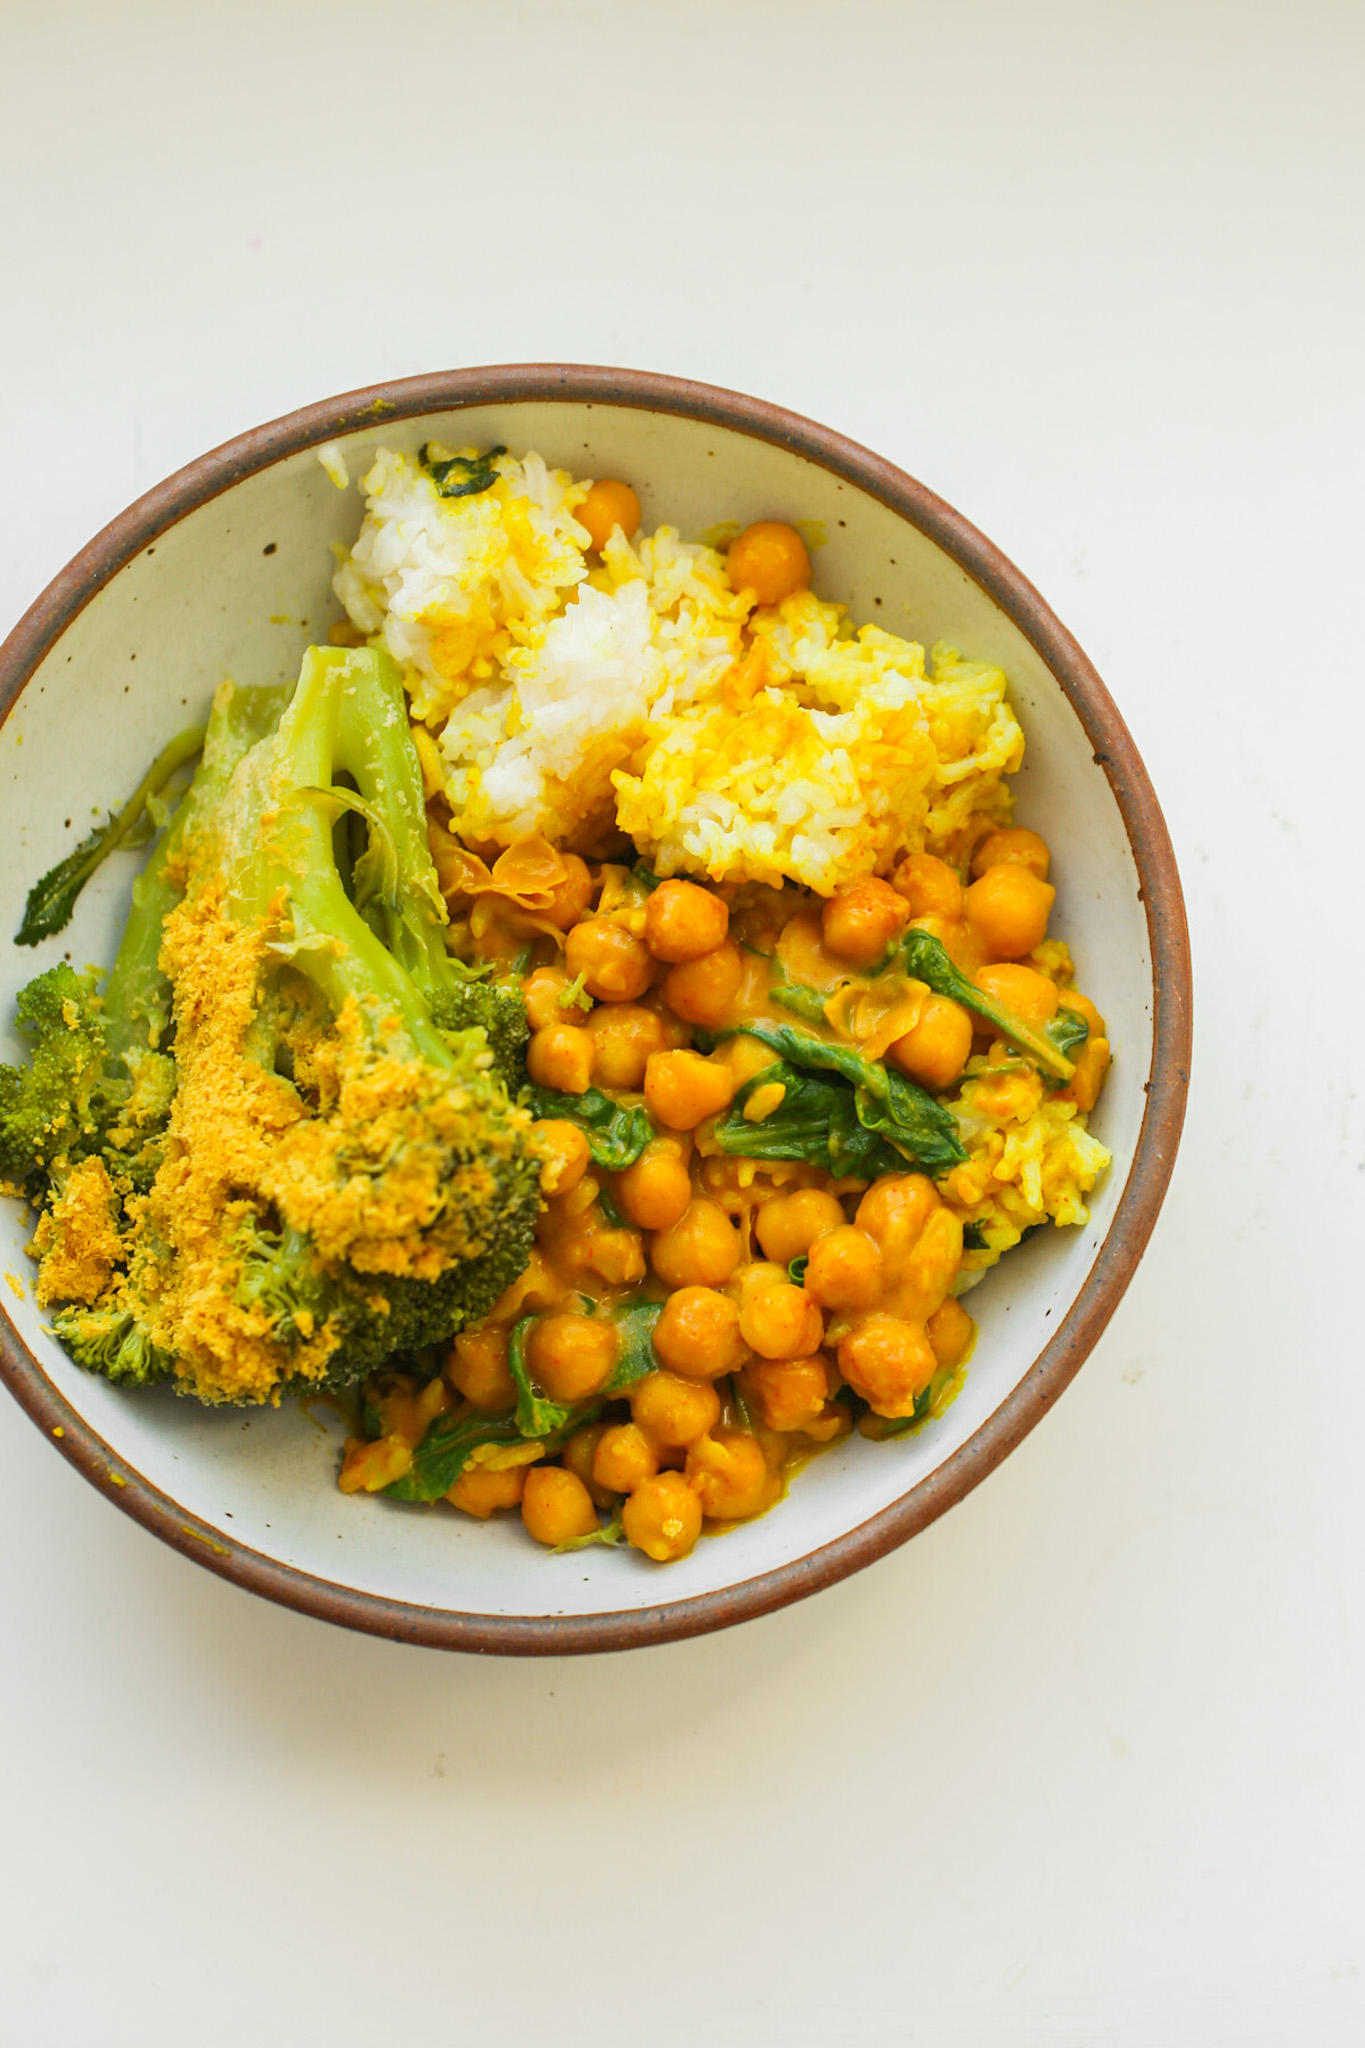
(225, 570)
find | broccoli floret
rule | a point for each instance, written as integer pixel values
(281, 1276)
(110, 1341)
(97, 1083)
(341, 1174)
(51, 1109)
(496, 1008)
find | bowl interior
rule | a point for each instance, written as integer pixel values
(239, 587)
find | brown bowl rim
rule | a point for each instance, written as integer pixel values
(1167, 1086)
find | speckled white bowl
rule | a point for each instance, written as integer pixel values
(225, 570)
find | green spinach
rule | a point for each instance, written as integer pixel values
(616, 1135)
(612, 1532)
(445, 1450)
(877, 1123)
(539, 1416)
(801, 999)
(461, 476)
(52, 899)
(926, 959)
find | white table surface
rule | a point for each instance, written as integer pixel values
(1083, 1764)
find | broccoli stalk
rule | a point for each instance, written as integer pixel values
(342, 1175)
(96, 1075)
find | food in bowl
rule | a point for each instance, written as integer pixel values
(605, 1014)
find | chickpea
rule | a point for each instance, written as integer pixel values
(845, 1269)
(578, 1454)
(950, 1331)
(889, 1362)
(758, 1273)
(790, 1392)
(1092, 1064)
(541, 992)
(482, 1492)
(681, 1088)
(937, 1048)
(671, 1410)
(701, 991)
(609, 504)
(953, 936)
(701, 1249)
(1007, 911)
(781, 1321)
(895, 1209)
(861, 919)
(624, 1458)
(616, 968)
(663, 1518)
(656, 1190)
(932, 1265)
(556, 1506)
(560, 1058)
(788, 1225)
(698, 1334)
(571, 896)
(623, 1037)
(570, 1356)
(746, 1057)
(729, 1475)
(1031, 996)
(929, 887)
(1012, 844)
(563, 1152)
(770, 559)
(616, 1256)
(683, 921)
(478, 1368)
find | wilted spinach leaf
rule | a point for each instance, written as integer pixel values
(926, 959)
(616, 1135)
(462, 476)
(878, 1123)
(445, 1450)
(52, 899)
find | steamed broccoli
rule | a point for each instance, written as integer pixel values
(51, 1109)
(498, 1009)
(339, 1172)
(97, 1083)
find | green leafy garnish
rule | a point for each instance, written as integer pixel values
(974, 1238)
(635, 1333)
(445, 1450)
(796, 1268)
(538, 1416)
(882, 1429)
(800, 998)
(461, 476)
(816, 1121)
(926, 959)
(52, 900)
(878, 1123)
(1068, 1031)
(612, 1532)
(616, 1135)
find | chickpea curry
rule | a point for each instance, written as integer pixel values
(603, 1019)
(775, 1129)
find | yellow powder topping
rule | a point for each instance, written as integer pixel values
(77, 1241)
